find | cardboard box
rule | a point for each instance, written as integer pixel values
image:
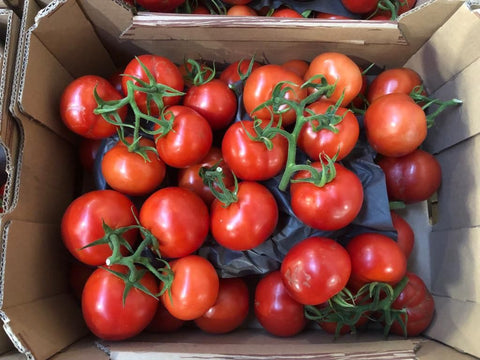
(69, 38)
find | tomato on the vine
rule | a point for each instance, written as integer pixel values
(398, 80)
(82, 224)
(360, 6)
(251, 159)
(77, 105)
(188, 142)
(194, 289)
(297, 66)
(330, 207)
(315, 269)
(275, 309)
(104, 311)
(178, 218)
(129, 173)
(411, 178)
(230, 309)
(405, 234)
(231, 74)
(163, 321)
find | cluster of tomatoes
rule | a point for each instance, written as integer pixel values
(190, 156)
(344, 10)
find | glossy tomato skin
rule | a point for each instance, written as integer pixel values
(398, 80)
(248, 222)
(328, 16)
(190, 179)
(194, 289)
(252, 160)
(230, 75)
(411, 178)
(163, 321)
(215, 101)
(315, 269)
(241, 10)
(230, 309)
(104, 312)
(405, 234)
(420, 306)
(178, 218)
(315, 143)
(82, 224)
(360, 6)
(275, 309)
(330, 207)
(395, 125)
(297, 66)
(375, 257)
(287, 13)
(163, 70)
(129, 173)
(338, 69)
(77, 104)
(259, 87)
(188, 142)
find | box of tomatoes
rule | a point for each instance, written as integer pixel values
(203, 186)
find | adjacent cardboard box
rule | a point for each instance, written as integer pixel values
(69, 38)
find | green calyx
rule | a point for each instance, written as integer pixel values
(214, 177)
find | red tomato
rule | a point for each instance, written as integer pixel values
(315, 143)
(116, 80)
(338, 69)
(315, 269)
(275, 310)
(190, 179)
(215, 101)
(327, 16)
(188, 142)
(188, 72)
(178, 218)
(194, 288)
(405, 234)
(82, 224)
(78, 103)
(287, 13)
(163, 321)
(231, 74)
(259, 88)
(399, 80)
(249, 159)
(230, 309)
(395, 125)
(297, 66)
(413, 177)
(241, 10)
(360, 6)
(87, 151)
(248, 222)
(78, 274)
(375, 257)
(330, 207)
(420, 306)
(164, 6)
(104, 311)
(129, 173)
(164, 72)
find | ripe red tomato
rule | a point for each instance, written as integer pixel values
(163, 321)
(338, 69)
(230, 309)
(297, 66)
(249, 159)
(395, 125)
(315, 269)
(398, 80)
(420, 306)
(259, 88)
(275, 310)
(248, 222)
(360, 6)
(77, 104)
(315, 143)
(241, 10)
(164, 72)
(87, 152)
(330, 207)
(405, 234)
(164, 6)
(82, 224)
(287, 13)
(189, 72)
(188, 142)
(231, 74)
(413, 177)
(375, 257)
(327, 16)
(104, 311)
(178, 218)
(215, 101)
(190, 179)
(78, 274)
(129, 173)
(194, 288)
